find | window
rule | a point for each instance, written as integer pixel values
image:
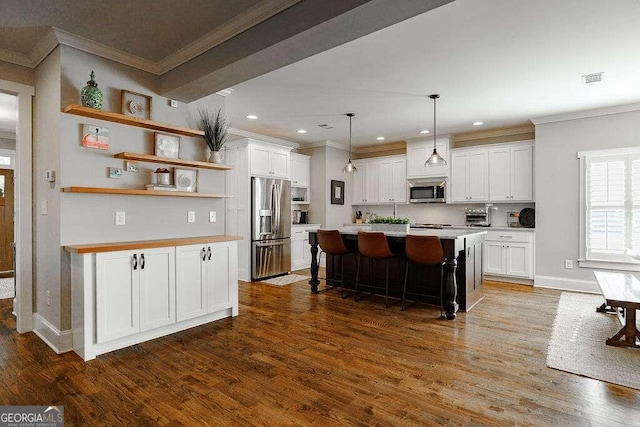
(610, 200)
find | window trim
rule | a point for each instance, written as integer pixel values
(582, 260)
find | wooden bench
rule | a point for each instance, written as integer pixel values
(621, 291)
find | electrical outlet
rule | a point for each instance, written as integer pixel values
(173, 103)
(191, 216)
(568, 263)
(48, 297)
(44, 207)
(120, 218)
(212, 216)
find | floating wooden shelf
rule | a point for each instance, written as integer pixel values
(135, 192)
(169, 161)
(129, 120)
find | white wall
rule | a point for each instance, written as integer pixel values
(318, 200)
(336, 215)
(557, 191)
(7, 144)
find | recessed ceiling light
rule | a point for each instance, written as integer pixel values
(424, 131)
(302, 131)
(252, 117)
(380, 138)
(478, 123)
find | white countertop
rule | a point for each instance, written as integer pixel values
(306, 225)
(443, 233)
(457, 227)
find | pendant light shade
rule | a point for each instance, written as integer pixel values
(435, 159)
(350, 167)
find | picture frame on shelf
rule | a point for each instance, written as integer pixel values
(185, 180)
(167, 145)
(94, 136)
(135, 104)
(337, 192)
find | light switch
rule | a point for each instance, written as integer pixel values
(191, 216)
(212, 216)
(120, 218)
(44, 207)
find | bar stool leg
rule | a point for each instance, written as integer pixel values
(404, 288)
(355, 292)
(386, 287)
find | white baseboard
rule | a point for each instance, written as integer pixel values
(566, 284)
(59, 341)
(507, 279)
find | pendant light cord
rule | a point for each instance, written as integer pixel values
(350, 117)
(434, 123)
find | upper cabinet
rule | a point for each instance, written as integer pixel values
(511, 173)
(300, 170)
(380, 180)
(419, 151)
(269, 161)
(469, 175)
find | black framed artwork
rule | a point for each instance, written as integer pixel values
(337, 192)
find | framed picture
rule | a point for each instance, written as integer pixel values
(167, 145)
(136, 104)
(337, 192)
(185, 180)
(94, 136)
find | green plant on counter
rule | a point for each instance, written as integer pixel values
(390, 220)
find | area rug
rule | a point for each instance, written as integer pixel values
(286, 280)
(578, 343)
(6, 288)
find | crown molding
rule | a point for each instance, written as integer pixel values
(380, 147)
(252, 135)
(250, 18)
(494, 133)
(7, 135)
(587, 114)
(240, 23)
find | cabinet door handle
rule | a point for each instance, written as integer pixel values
(135, 261)
(209, 253)
(141, 261)
(204, 254)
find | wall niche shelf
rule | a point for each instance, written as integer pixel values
(169, 161)
(136, 192)
(129, 120)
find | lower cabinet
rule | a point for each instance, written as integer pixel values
(126, 297)
(135, 292)
(300, 247)
(509, 254)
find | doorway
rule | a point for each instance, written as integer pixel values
(7, 273)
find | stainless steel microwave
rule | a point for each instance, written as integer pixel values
(427, 191)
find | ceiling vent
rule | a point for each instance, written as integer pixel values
(592, 78)
(325, 126)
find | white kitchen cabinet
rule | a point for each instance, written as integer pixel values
(509, 253)
(268, 161)
(128, 296)
(300, 247)
(135, 291)
(511, 173)
(365, 183)
(392, 180)
(203, 273)
(469, 180)
(300, 170)
(419, 151)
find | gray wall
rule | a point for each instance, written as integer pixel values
(17, 74)
(7, 144)
(85, 218)
(557, 190)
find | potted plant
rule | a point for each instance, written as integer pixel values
(390, 224)
(215, 129)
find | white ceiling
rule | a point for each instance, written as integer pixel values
(502, 62)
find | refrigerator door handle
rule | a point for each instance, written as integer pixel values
(264, 245)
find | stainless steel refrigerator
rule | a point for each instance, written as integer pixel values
(270, 227)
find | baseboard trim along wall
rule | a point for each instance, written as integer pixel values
(60, 342)
(587, 286)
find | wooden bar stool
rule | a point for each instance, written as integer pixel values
(331, 243)
(425, 250)
(373, 245)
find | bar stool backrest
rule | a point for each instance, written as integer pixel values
(373, 245)
(331, 243)
(424, 249)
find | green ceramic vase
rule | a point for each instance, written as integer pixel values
(90, 95)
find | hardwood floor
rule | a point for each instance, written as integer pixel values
(292, 358)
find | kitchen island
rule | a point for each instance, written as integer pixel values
(462, 277)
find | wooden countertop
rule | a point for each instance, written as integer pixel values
(146, 244)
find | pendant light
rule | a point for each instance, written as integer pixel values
(435, 159)
(350, 167)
